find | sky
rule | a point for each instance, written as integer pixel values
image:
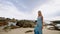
(27, 9)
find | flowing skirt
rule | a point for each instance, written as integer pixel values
(38, 30)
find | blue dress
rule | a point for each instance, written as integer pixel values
(38, 28)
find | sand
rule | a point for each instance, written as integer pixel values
(18, 31)
(23, 30)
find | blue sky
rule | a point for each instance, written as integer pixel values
(27, 9)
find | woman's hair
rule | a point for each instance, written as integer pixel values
(39, 13)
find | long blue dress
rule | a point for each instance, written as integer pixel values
(38, 28)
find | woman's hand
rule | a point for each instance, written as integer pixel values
(42, 27)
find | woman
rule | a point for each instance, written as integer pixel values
(39, 26)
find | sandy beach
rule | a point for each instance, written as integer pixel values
(18, 31)
(23, 31)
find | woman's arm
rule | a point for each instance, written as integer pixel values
(42, 22)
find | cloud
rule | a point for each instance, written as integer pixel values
(9, 10)
(28, 10)
(50, 9)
